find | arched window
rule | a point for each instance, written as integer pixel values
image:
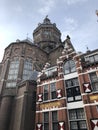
(28, 69)
(13, 73)
(13, 70)
(69, 67)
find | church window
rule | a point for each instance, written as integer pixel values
(13, 70)
(28, 69)
(13, 73)
(11, 84)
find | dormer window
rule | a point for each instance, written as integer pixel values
(69, 67)
(92, 58)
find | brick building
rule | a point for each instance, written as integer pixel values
(65, 96)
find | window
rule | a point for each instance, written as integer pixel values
(53, 90)
(10, 84)
(46, 121)
(49, 72)
(13, 70)
(92, 59)
(77, 119)
(49, 89)
(74, 125)
(94, 81)
(12, 74)
(96, 57)
(45, 95)
(28, 68)
(76, 114)
(73, 90)
(97, 108)
(69, 67)
(54, 120)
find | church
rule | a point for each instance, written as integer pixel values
(47, 85)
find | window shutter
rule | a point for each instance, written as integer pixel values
(61, 126)
(40, 97)
(59, 93)
(94, 124)
(39, 127)
(87, 87)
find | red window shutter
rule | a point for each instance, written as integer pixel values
(39, 126)
(61, 125)
(94, 124)
(87, 87)
(40, 97)
(59, 93)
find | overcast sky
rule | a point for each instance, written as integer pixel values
(75, 18)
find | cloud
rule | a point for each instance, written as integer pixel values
(70, 23)
(70, 26)
(84, 35)
(18, 9)
(70, 2)
(46, 7)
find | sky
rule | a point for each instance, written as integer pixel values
(76, 18)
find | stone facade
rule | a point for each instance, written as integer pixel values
(17, 87)
(64, 96)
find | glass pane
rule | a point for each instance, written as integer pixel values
(66, 67)
(75, 82)
(27, 71)
(55, 126)
(82, 125)
(96, 57)
(52, 87)
(76, 91)
(68, 83)
(46, 117)
(46, 126)
(86, 58)
(70, 99)
(72, 66)
(95, 86)
(72, 114)
(74, 125)
(45, 96)
(54, 116)
(45, 88)
(78, 97)
(93, 77)
(10, 85)
(69, 92)
(94, 81)
(53, 95)
(91, 59)
(80, 114)
(13, 70)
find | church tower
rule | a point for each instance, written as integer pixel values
(47, 36)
